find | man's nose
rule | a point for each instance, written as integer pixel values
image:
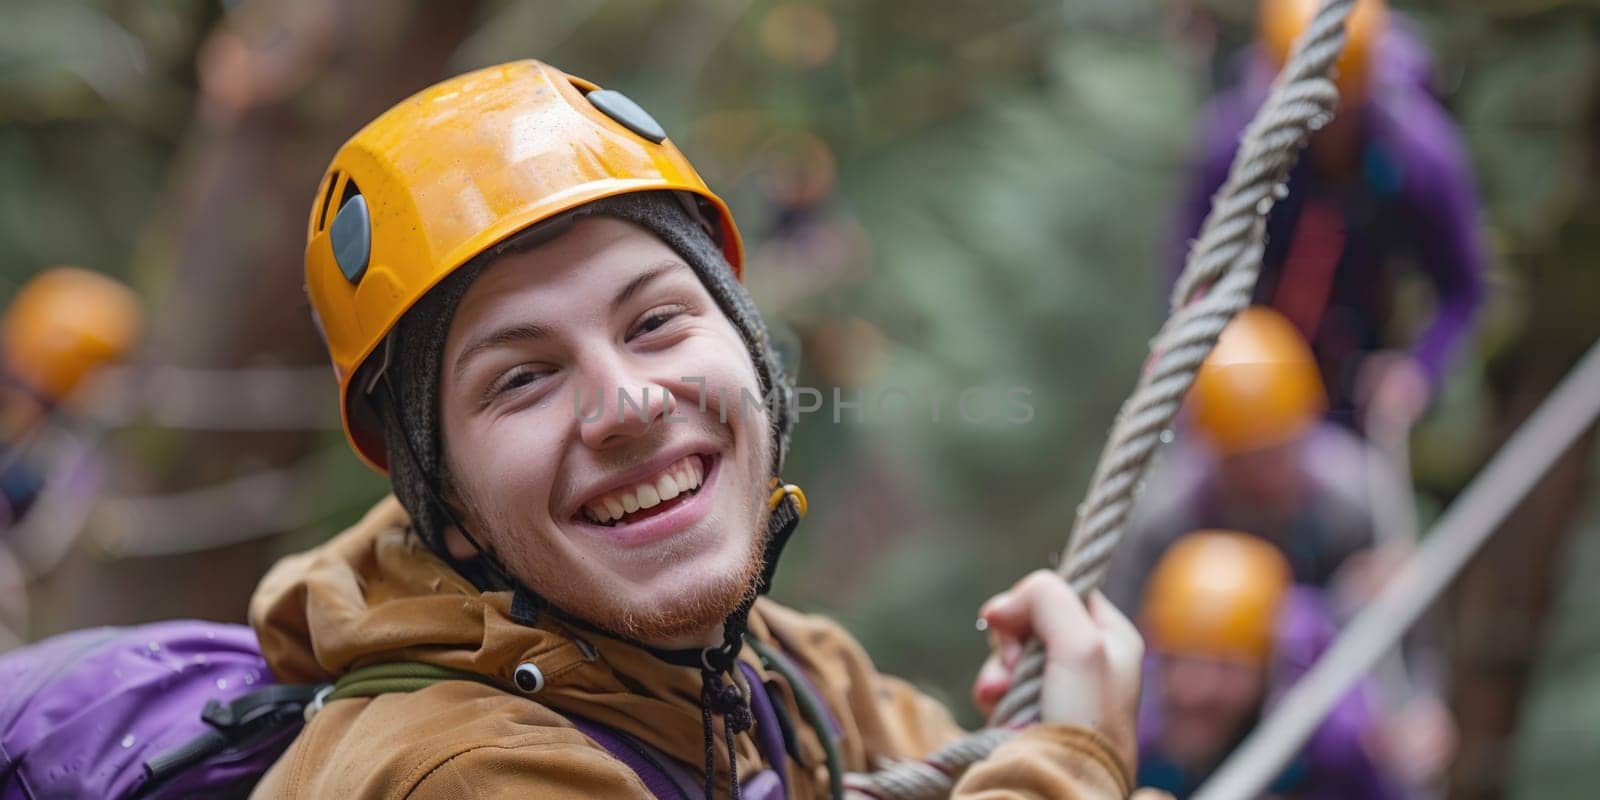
(616, 405)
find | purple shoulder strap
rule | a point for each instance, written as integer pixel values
(769, 736)
(668, 779)
(663, 776)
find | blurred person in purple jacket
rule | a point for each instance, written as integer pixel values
(1257, 457)
(1383, 188)
(1226, 633)
(63, 327)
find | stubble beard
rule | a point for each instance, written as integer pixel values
(687, 613)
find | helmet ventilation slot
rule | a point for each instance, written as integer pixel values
(324, 210)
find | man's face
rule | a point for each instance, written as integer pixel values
(1205, 705)
(1266, 485)
(593, 377)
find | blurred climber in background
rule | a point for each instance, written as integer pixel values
(1385, 183)
(1226, 632)
(1258, 458)
(63, 326)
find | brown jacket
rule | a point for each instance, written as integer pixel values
(374, 594)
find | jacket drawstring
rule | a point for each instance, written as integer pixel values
(717, 696)
(713, 694)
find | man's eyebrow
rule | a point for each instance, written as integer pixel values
(503, 336)
(529, 331)
(643, 279)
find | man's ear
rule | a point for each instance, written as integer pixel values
(455, 542)
(457, 545)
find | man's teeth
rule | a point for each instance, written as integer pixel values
(682, 477)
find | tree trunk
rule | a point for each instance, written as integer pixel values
(281, 86)
(1498, 608)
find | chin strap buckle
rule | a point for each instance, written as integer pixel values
(781, 490)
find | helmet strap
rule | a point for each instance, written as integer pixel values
(430, 484)
(788, 505)
(691, 204)
(380, 371)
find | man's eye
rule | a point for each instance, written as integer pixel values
(653, 321)
(515, 379)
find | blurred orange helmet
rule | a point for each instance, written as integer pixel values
(1282, 21)
(1260, 387)
(1216, 594)
(63, 325)
(455, 169)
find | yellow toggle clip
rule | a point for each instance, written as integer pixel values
(780, 490)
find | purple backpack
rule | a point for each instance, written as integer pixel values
(173, 709)
(189, 708)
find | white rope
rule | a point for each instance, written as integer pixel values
(1218, 280)
(237, 399)
(1463, 529)
(1390, 493)
(1392, 501)
(229, 512)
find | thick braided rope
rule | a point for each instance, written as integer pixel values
(1217, 282)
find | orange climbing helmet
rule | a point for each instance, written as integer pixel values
(1282, 21)
(453, 170)
(66, 323)
(1216, 594)
(1260, 387)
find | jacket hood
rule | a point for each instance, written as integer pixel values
(375, 594)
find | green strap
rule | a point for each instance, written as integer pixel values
(398, 676)
(410, 676)
(811, 707)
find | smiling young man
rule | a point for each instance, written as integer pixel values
(533, 306)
